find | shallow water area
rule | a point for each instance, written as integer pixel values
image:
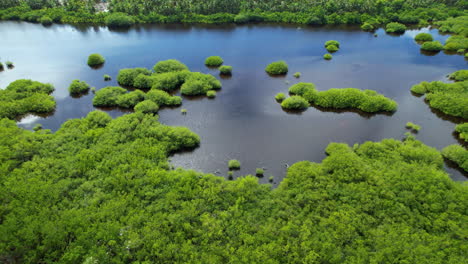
(244, 121)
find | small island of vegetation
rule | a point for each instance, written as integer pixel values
(277, 68)
(95, 60)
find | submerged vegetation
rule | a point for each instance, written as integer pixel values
(95, 60)
(26, 96)
(277, 68)
(450, 98)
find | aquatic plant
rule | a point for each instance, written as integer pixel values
(327, 56)
(432, 46)
(461, 75)
(169, 66)
(332, 43)
(277, 68)
(26, 96)
(366, 100)
(147, 106)
(37, 127)
(457, 154)
(95, 60)
(301, 88)
(130, 99)
(234, 164)
(107, 77)
(367, 26)
(395, 27)
(462, 130)
(271, 178)
(413, 126)
(259, 172)
(183, 111)
(295, 103)
(226, 70)
(78, 87)
(214, 61)
(126, 77)
(9, 64)
(46, 21)
(456, 42)
(1, 66)
(170, 81)
(332, 48)
(211, 94)
(423, 37)
(280, 97)
(162, 98)
(297, 74)
(108, 96)
(199, 83)
(119, 20)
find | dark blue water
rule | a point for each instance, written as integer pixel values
(244, 122)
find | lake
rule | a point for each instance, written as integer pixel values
(244, 121)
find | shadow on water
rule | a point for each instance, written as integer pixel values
(452, 165)
(361, 113)
(428, 53)
(460, 140)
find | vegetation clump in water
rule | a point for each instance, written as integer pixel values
(395, 27)
(327, 56)
(225, 70)
(423, 37)
(147, 106)
(259, 172)
(295, 103)
(169, 66)
(413, 127)
(457, 154)
(280, 97)
(367, 26)
(95, 60)
(214, 61)
(126, 77)
(46, 21)
(297, 74)
(277, 68)
(78, 87)
(107, 77)
(432, 46)
(211, 94)
(461, 75)
(198, 84)
(26, 96)
(234, 164)
(119, 20)
(462, 130)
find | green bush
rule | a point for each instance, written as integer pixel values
(127, 77)
(432, 46)
(107, 77)
(332, 43)
(226, 70)
(234, 165)
(169, 66)
(280, 97)
(332, 48)
(395, 27)
(301, 88)
(169, 81)
(46, 21)
(1, 66)
(199, 83)
(259, 171)
(423, 37)
(108, 96)
(413, 126)
(462, 129)
(26, 96)
(367, 27)
(162, 98)
(95, 60)
(147, 107)
(211, 94)
(214, 61)
(457, 154)
(455, 43)
(78, 87)
(130, 99)
(297, 74)
(143, 81)
(37, 127)
(365, 100)
(327, 56)
(461, 75)
(119, 20)
(295, 103)
(277, 68)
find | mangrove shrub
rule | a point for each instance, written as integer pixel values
(432, 46)
(423, 37)
(119, 20)
(78, 87)
(277, 68)
(225, 70)
(457, 154)
(127, 77)
(395, 27)
(295, 103)
(169, 66)
(461, 75)
(147, 107)
(95, 60)
(214, 61)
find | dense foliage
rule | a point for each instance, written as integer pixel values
(328, 56)
(450, 98)
(225, 70)
(332, 45)
(214, 61)
(295, 103)
(95, 60)
(100, 191)
(457, 154)
(413, 126)
(119, 20)
(78, 87)
(169, 66)
(461, 75)
(432, 46)
(26, 96)
(395, 27)
(277, 68)
(126, 77)
(423, 37)
(280, 97)
(198, 83)
(462, 130)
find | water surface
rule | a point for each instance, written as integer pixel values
(244, 122)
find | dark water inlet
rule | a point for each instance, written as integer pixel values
(244, 121)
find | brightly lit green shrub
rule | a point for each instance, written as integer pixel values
(108, 96)
(226, 70)
(199, 83)
(457, 154)
(432, 46)
(295, 103)
(277, 68)
(461, 75)
(78, 87)
(423, 37)
(147, 107)
(395, 27)
(169, 66)
(214, 61)
(126, 77)
(95, 60)
(119, 20)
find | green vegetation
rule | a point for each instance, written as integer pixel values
(198, 84)
(457, 154)
(183, 111)
(214, 61)
(126, 77)
(423, 37)
(413, 127)
(461, 75)
(169, 81)
(432, 46)
(78, 87)
(119, 20)
(46, 21)
(327, 56)
(297, 74)
(259, 172)
(147, 106)
(367, 26)
(107, 77)
(25, 96)
(226, 70)
(169, 66)
(455, 43)
(162, 98)
(277, 68)
(295, 103)
(395, 27)
(108, 96)
(271, 178)
(301, 88)
(9, 64)
(95, 60)
(332, 43)
(332, 48)
(211, 94)
(234, 164)
(450, 98)
(462, 130)
(37, 127)
(280, 97)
